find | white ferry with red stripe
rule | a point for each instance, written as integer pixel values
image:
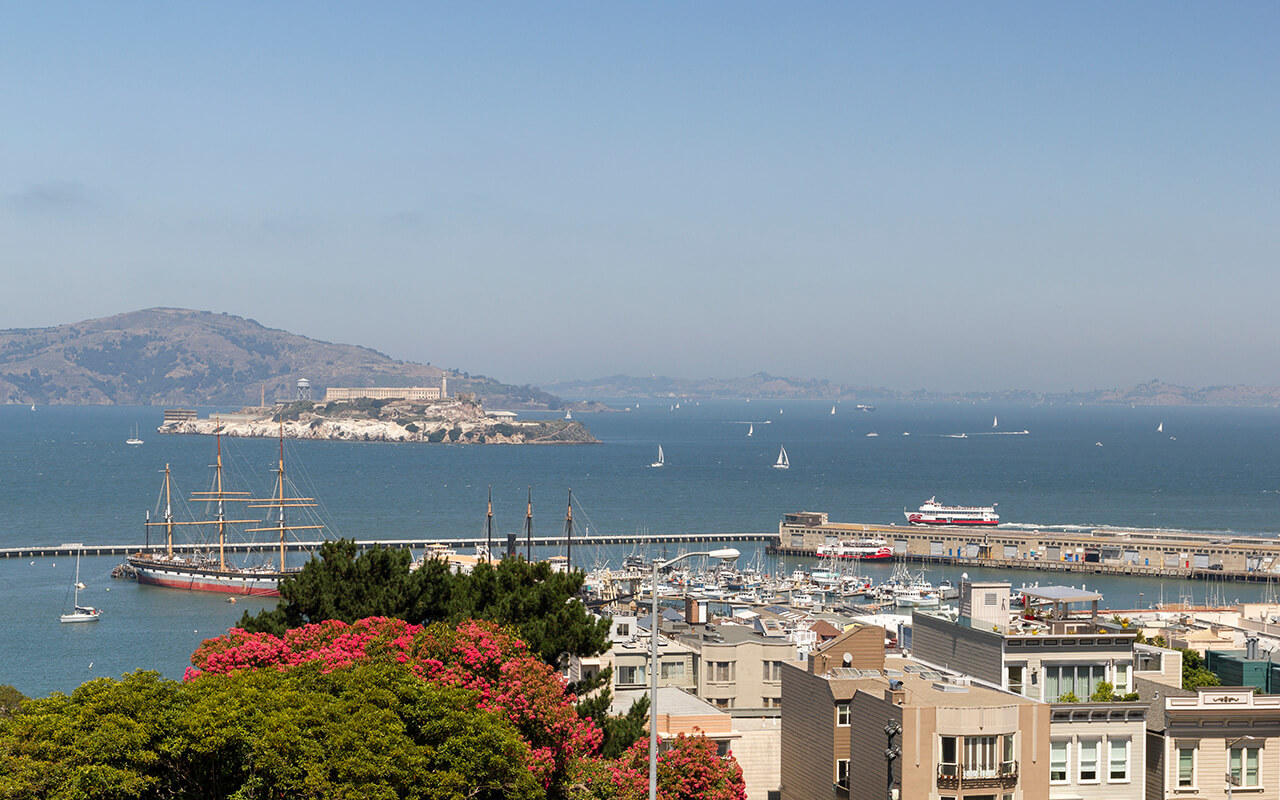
(862, 550)
(934, 513)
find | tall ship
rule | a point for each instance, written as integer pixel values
(934, 513)
(861, 549)
(207, 569)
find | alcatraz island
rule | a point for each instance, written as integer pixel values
(382, 414)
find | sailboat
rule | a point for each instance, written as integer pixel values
(1160, 428)
(995, 422)
(134, 440)
(661, 460)
(783, 462)
(205, 572)
(81, 613)
(568, 414)
(751, 429)
(833, 410)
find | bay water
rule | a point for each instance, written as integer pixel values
(67, 475)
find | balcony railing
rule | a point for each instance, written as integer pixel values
(957, 776)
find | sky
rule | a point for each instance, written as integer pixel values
(943, 196)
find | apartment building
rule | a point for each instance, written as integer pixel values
(1222, 742)
(1097, 751)
(1049, 657)
(906, 731)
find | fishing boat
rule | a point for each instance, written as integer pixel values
(80, 613)
(783, 462)
(934, 513)
(201, 569)
(134, 440)
(661, 459)
(862, 549)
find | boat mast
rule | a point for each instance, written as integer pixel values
(281, 501)
(568, 533)
(528, 528)
(488, 529)
(220, 495)
(168, 515)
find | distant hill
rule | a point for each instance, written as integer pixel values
(762, 385)
(175, 356)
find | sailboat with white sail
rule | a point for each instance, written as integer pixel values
(662, 460)
(1160, 428)
(995, 422)
(751, 429)
(80, 613)
(134, 440)
(783, 462)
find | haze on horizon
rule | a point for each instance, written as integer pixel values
(938, 196)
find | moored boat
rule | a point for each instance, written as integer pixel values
(209, 571)
(934, 513)
(861, 549)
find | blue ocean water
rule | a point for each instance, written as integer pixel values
(66, 475)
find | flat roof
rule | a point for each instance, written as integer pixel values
(1059, 594)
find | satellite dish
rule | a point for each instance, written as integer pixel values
(848, 659)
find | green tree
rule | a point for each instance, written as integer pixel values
(374, 730)
(10, 700)
(1194, 672)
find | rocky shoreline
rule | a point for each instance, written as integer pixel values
(440, 423)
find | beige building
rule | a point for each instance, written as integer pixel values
(1097, 751)
(1222, 742)
(412, 393)
(909, 732)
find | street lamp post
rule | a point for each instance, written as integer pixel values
(725, 554)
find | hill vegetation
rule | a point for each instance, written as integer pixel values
(175, 356)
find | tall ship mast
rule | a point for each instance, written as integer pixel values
(209, 572)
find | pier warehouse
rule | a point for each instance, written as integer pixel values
(1158, 553)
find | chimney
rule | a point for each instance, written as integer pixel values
(895, 693)
(1251, 647)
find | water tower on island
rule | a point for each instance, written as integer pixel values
(304, 389)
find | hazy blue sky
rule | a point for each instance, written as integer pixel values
(945, 196)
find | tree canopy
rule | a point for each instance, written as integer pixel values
(345, 584)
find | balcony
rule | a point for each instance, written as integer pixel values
(954, 777)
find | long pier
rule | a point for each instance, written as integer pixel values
(499, 544)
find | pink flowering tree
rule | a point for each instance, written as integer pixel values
(688, 769)
(477, 656)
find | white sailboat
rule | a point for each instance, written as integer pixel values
(80, 613)
(833, 410)
(661, 459)
(995, 422)
(134, 440)
(783, 462)
(568, 414)
(1160, 428)
(751, 429)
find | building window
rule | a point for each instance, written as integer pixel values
(723, 702)
(719, 671)
(1006, 761)
(624, 629)
(1122, 679)
(949, 765)
(772, 671)
(1077, 680)
(842, 772)
(671, 670)
(1186, 766)
(1244, 766)
(980, 756)
(1058, 758)
(1118, 760)
(631, 675)
(1015, 678)
(1088, 756)
(842, 714)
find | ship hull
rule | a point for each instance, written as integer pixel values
(917, 519)
(196, 579)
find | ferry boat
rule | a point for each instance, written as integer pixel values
(862, 549)
(934, 513)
